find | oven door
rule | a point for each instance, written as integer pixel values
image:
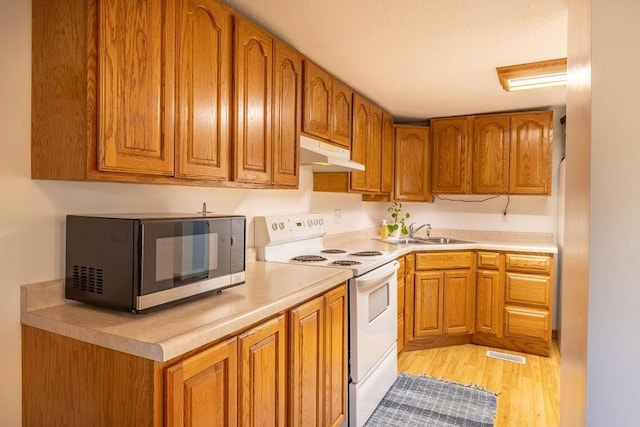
(373, 323)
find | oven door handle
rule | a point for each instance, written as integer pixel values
(372, 279)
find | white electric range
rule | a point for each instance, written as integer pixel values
(297, 239)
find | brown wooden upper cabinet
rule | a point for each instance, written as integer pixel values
(147, 95)
(387, 163)
(366, 145)
(493, 154)
(450, 162)
(327, 106)
(412, 153)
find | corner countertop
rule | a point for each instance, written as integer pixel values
(270, 288)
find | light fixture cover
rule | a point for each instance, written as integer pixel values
(533, 75)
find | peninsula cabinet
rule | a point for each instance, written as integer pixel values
(327, 106)
(412, 181)
(144, 92)
(515, 301)
(290, 369)
(440, 307)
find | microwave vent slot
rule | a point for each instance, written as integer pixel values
(88, 279)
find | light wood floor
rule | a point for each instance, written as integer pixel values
(529, 395)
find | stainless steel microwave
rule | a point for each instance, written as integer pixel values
(140, 262)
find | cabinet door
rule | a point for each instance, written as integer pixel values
(287, 87)
(531, 156)
(306, 375)
(361, 120)
(491, 154)
(459, 302)
(412, 153)
(202, 389)
(136, 86)
(336, 371)
(488, 302)
(262, 375)
(253, 72)
(317, 101)
(428, 304)
(401, 304)
(450, 166)
(387, 160)
(340, 110)
(374, 150)
(203, 97)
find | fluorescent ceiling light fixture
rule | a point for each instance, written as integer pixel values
(533, 75)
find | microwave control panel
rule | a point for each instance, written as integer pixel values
(271, 230)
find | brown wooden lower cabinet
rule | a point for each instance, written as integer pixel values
(295, 362)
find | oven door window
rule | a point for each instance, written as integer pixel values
(177, 253)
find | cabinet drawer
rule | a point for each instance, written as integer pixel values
(443, 260)
(529, 263)
(528, 289)
(489, 260)
(520, 323)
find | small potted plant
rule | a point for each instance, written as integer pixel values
(397, 225)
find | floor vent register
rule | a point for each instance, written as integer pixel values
(507, 357)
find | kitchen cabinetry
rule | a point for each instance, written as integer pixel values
(387, 163)
(442, 299)
(287, 110)
(327, 106)
(507, 154)
(521, 305)
(203, 90)
(366, 145)
(450, 164)
(142, 92)
(489, 293)
(203, 388)
(251, 377)
(253, 97)
(405, 280)
(261, 379)
(412, 160)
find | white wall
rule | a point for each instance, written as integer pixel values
(613, 373)
(32, 212)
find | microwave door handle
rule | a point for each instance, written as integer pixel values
(369, 281)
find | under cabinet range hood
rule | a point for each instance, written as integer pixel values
(324, 157)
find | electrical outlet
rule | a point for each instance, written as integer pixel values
(337, 216)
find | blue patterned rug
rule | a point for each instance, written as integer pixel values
(423, 401)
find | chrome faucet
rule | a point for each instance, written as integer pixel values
(413, 230)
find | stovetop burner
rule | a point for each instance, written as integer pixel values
(346, 262)
(308, 258)
(333, 251)
(367, 253)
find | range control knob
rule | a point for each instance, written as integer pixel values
(281, 226)
(274, 226)
(309, 222)
(321, 221)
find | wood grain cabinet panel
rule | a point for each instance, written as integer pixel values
(412, 159)
(489, 302)
(306, 363)
(428, 299)
(335, 360)
(451, 155)
(202, 389)
(531, 153)
(373, 148)
(253, 100)
(135, 86)
(491, 136)
(203, 95)
(287, 105)
(317, 101)
(401, 301)
(340, 108)
(262, 395)
(387, 161)
(522, 324)
(459, 302)
(361, 123)
(528, 289)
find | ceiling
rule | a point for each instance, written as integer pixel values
(423, 58)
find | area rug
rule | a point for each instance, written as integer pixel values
(423, 401)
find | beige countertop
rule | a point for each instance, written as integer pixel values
(270, 288)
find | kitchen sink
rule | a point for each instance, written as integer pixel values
(445, 241)
(425, 241)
